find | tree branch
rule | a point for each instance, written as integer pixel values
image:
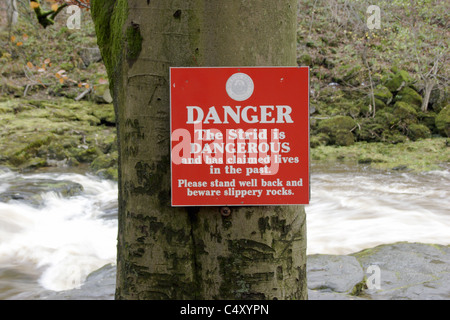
(46, 19)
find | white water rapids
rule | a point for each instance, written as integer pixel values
(56, 245)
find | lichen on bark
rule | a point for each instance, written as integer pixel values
(110, 17)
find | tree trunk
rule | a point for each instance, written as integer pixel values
(12, 14)
(429, 85)
(192, 253)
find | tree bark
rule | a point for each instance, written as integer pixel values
(192, 253)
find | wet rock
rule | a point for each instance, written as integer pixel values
(99, 285)
(409, 271)
(331, 273)
(30, 191)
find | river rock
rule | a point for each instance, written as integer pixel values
(90, 55)
(29, 191)
(99, 285)
(409, 271)
(332, 273)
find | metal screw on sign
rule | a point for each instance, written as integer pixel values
(225, 211)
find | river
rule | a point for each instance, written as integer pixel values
(52, 242)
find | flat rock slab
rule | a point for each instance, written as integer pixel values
(399, 271)
(411, 271)
(340, 274)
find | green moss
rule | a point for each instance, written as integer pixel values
(443, 121)
(409, 96)
(400, 79)
(382, 93)
(418, 131)
(420, 155)
(404, 111)
(429, 119)
(109, 17)
(103, 162)
(337, 123)
(44, 133)
(305, 60)
(134, 42)
(338, 129)
(344, 138)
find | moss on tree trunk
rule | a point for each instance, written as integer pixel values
(180, 253)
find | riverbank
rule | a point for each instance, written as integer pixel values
(65, 133)
(58, 133)
(418, 156)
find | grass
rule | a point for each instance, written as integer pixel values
(421, 155)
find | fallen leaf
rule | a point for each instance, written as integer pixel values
(34, 5)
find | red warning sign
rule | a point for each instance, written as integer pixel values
(239, 136)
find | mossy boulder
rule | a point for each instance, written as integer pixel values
(418, 131)
(405, 112)
(338, 128)
(410, 96)
(104, 161)
(443, 121)
(382, 93)
(320, 139)
(429, 120)
(399, 80)
(371, 129)
(344, 138)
